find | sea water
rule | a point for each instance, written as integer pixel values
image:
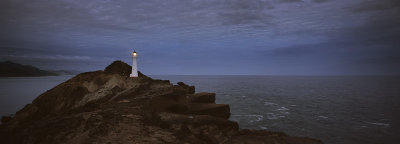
(16, 92)
(334, 109)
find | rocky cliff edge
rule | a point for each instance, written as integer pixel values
(110, 107)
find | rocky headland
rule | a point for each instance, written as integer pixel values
(110, 107)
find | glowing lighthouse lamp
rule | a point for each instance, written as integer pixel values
(134, 65)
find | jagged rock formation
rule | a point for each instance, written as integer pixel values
(109, 107)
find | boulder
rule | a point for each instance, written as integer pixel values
(168, 104)
(190, 89)
(217, 110)
(203, 97)
(119, 67)
(196, 120)
(5, 119)
(246, 136)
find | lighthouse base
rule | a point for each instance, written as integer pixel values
(133, 75)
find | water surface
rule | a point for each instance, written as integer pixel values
(335, 109)
(16, 92)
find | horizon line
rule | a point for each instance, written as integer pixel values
(273, 75)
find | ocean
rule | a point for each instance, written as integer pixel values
(16, 92)
(334, 109)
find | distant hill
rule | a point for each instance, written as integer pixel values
(11, 69)
(65, 72)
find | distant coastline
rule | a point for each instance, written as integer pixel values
(12, 69)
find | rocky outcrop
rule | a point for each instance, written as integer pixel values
(202, 97)
(110, 107)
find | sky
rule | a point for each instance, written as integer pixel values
(205, 37)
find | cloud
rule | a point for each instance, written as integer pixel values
(374, 5)
(48, 57)
(382, 60)
(249, 5)
(290, 1)
(243, 12)
(321, 1)
(292, 51)
(382, 28)
(244, 17)
(10, 50)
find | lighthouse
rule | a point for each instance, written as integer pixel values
(134, 65)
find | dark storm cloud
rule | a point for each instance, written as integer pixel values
(9, 50)
(374, 5)
(248, 5)
(292, 51)
(321, 1)
(290, 1)
(380, 30)
(242, 12)
(371, 47)
(383, 30)
(248, 17)
(384, 60)
(356, 58)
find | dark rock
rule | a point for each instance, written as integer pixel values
(217, 110)
(190, 89)
(119, 67)
(166, 103)
(203, 97)
(5, 119)
(262, 136)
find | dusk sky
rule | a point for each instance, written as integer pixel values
(205, 37)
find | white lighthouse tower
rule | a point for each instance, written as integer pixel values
(134, 65)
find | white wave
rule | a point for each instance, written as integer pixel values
(285, 112)
(378, 124)
(251, 117)
(272, 116)
(269, 104)
(257, 118)
(324, 117)
(282, 109)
